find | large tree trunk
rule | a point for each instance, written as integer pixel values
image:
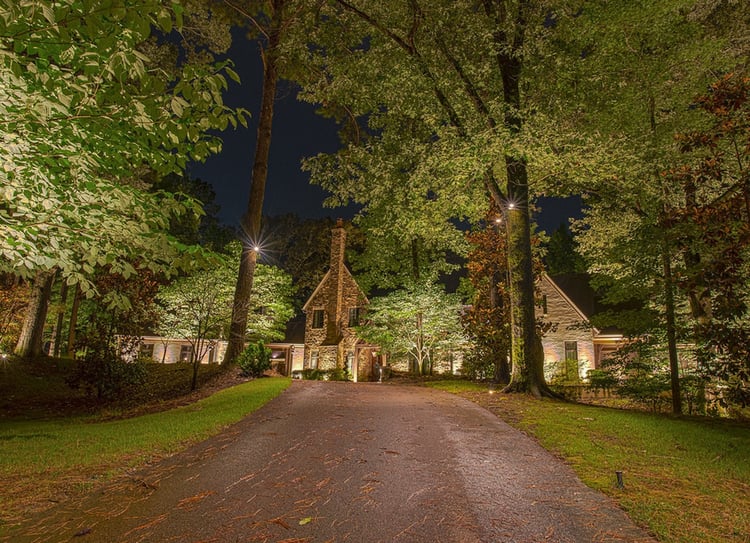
(32, 334)
(252, 218)
(527, 373)
(527, 359)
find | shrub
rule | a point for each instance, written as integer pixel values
(254, 360)
(104, 371)
(314, 374)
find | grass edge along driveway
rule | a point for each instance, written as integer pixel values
(686, 479)
(42, 460)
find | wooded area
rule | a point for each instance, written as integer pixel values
(454, 115)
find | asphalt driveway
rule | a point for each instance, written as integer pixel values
(336, 462)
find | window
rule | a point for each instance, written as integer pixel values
(147, 350)
(317, 318)
(544, 305)
(571, 350)
(353, 317)
(570, 369)
(314, 359)
(186, 352)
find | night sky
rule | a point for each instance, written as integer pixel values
(298, 132)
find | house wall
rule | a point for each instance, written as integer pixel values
(566, 324)
(173, 348)
(334, 344)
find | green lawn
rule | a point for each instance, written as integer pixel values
(37, 456)
(686, 479)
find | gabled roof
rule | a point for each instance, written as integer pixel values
(323, 281)
(576, 289)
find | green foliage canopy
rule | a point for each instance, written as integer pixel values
(415, 322)
(89, 101)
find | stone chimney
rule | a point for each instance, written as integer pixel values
(338, 245)
(335, 300)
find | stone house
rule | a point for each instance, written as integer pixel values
(571, 345)
(331, 313)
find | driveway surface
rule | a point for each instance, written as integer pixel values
(343, 462)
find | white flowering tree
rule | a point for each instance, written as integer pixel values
(415, 322)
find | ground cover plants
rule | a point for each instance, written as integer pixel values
(685, 479)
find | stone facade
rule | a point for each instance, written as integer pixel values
(331, 314)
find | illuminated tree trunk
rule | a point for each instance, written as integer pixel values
(527, 357)
(251, 220)
(32, 334)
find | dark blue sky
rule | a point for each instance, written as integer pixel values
(298, 132)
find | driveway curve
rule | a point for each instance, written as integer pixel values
(341, 462)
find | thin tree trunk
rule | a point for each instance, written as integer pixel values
(251, 220)
(674, 367)
(32, 334)
(73, 323)
(57, 334)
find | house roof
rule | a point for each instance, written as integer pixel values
(577, 289)
(323, 281)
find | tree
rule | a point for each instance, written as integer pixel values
(198, 308)
(86, 105)
(271, 304)
(415, 322)
(650, 61)
(269, 20)
(13, 298)
(301, 247)
(487, 321)
(111, 337)
(91, 103)
(562, 253)
(712, 233)
(205, 230)
(452, 121)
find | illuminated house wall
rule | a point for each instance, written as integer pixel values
(331, 313)
(569, 332)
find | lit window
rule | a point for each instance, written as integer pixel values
(186, 352)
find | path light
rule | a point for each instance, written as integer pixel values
(620, 484)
